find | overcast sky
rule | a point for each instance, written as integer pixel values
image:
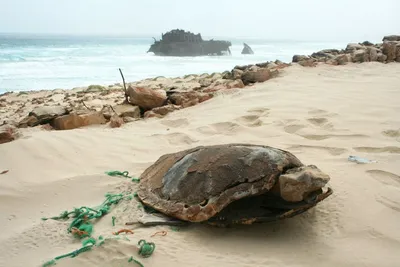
(351, 20)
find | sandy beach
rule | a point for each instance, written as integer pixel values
(322, 115)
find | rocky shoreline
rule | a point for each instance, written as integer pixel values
(113, 105)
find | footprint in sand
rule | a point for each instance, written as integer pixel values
(393, 134)
(317, 137)
(334, 151)
(386, 149)
(228, 128)
(176, 123)
(261, 112)
(250, 120)
(391, 204)
(321, 112)
(253, 119)
(385, 177)
(292, 129)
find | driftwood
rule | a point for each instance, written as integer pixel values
(123, 80)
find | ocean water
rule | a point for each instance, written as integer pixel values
(49, 62)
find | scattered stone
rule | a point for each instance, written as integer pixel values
(8, 133)
(146, 98)
(350, 48)
(360, 56)
(254, 76)
(116, 121)
(95, 88)
(45, 114)
(342, 59)
(295, 185)
(299, 58)
(126, 110)
(367, 43)
(129, 119)
(188, 99)
(161, 111)
(73, 120)
(29, 121)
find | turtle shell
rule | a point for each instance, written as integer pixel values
(196, 184)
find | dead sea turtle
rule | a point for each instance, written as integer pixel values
(229, 184)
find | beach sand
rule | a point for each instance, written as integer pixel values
(322, 115)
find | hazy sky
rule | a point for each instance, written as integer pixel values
(352, 20)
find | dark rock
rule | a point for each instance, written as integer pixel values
(298, 58)
(391, 38)
(247, 50)
(366, 43)
(8, 133)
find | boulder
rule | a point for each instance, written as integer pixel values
(191, 98)
(389, 49)
(247, 50)
(116, 121)
(8, 133)
(398, 52)
(254, 75)
(360, 56)
(29, 121)
(126, 110)
(311, 62)
(342, 59)
(46, 113)
(367, 43)
(146, 98)
(295, 186)
(380, 57)
(391, 38)
(327, 53)
(161, 111)
(235, 84)
(75, 120)
(236, 74)
(372, 53)
(350, 48)
(299, 58)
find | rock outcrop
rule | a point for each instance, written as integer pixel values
(247, 50)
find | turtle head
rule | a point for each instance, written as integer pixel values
(297, 183)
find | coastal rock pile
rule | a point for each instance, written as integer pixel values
(95, 105)
(386, 52)
(156, 97)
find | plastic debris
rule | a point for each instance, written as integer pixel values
(360, 160)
